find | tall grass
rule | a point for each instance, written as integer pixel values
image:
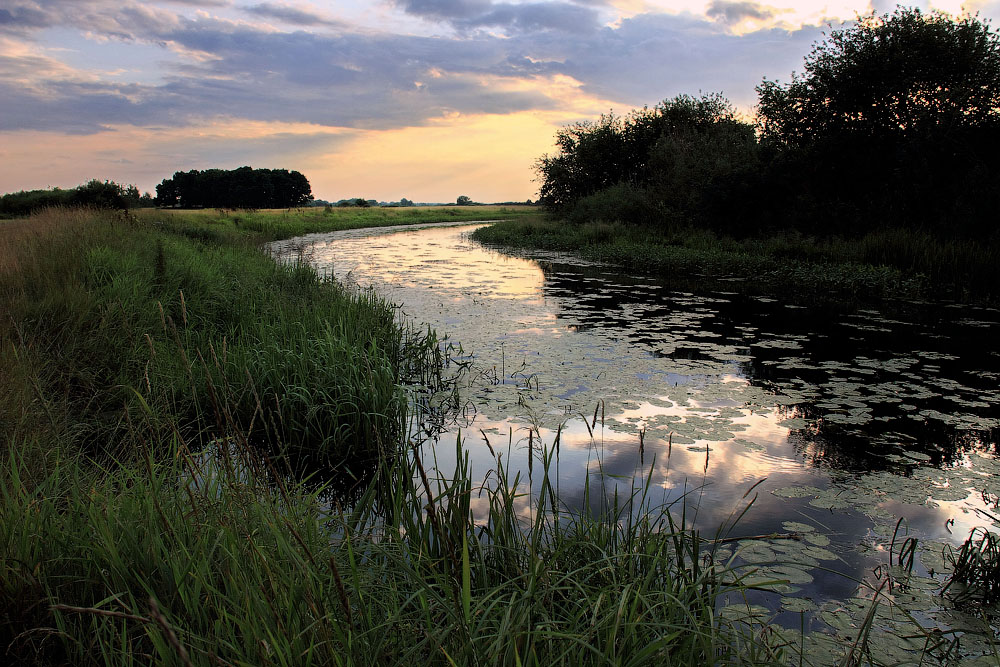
(108, 314)
(272, 225)
(163, 386)
(194, 561)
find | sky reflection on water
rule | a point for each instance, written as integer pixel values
(852, 418)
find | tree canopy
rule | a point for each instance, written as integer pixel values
(238, 188)
(895, 122)
(891, 75)
(649, 163)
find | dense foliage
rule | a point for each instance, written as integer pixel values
(94, 193)
(894, 123)
(651, 165)
(897, 76)
(238, 188)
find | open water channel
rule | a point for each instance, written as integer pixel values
(840, 421)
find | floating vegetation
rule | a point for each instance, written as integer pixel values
(842, 421)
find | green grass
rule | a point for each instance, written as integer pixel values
(111, 314)
(196, 561)
(204, 463)
(883, 264)
(272, 225)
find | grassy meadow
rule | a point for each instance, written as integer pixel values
(205, 463)
(276, 224)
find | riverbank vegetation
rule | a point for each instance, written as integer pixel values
(205, 462)
(890, 263)
(878, 158)
(272, 225)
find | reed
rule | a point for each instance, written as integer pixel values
(197, 560)
(975, 577)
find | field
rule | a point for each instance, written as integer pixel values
(272, 225)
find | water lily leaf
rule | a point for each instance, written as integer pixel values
(798, 604)
(796, 491)
(797, 527)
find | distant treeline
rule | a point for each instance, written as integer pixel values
(895, 122)
(237, 188)
(95, 193)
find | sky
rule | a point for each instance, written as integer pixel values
(423, 99)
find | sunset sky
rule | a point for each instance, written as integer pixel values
(424, 99)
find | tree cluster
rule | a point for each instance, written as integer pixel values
(357, 202)
(895, 121)
(653, 166)
(237, 188)
(95, 193)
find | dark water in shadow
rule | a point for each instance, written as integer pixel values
(851, 417)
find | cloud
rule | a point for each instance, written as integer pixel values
(19, 17)
(445, 9)
(345, 80)
(531, 17)
(729, 12)
(290, 14)
(227, 68)
(522, 17)
(200, 3)
(649, 57)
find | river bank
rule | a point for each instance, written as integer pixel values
(890, 264)
(204, 463)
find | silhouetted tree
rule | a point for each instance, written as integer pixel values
(238, 188)
(894, 75)
(895, 121)
(653, 166)
(94, 193)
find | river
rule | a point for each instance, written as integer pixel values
(838, 420)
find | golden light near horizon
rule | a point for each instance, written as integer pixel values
(144, 156)
(488, 157)
(378, 102)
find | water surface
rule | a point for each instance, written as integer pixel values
(841, 420)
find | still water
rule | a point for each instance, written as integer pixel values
(839, 420)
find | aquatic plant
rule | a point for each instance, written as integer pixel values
(216, 559)
(975, 576)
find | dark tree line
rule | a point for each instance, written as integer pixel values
(653, 166)
(895, 121)
(95, 193)
(236, 188)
